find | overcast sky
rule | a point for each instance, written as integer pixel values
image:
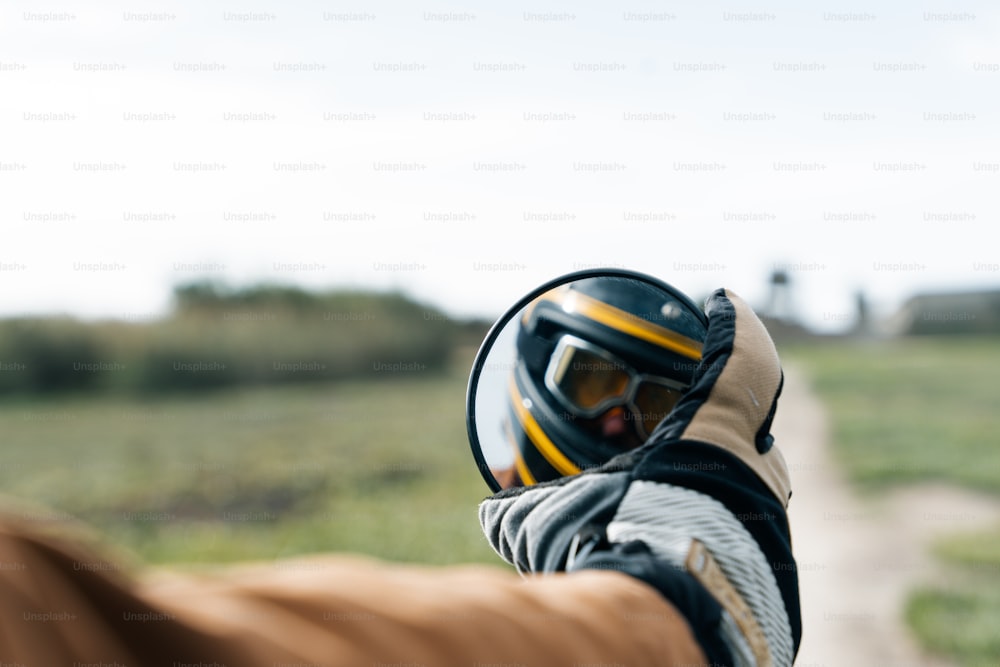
(465, 152)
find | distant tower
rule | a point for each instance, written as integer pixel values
(780, 300)
(862, 321)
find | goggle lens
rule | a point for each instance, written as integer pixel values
(654, 402)
(587, 380)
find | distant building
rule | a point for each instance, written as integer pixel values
(949, 313)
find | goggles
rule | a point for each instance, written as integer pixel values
(588, 380)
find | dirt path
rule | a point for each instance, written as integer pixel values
(857, 559)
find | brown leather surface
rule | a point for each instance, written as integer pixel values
(62, 604)
(706, 570)
(741, 399)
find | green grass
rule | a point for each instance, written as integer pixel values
(925, 409)
(378, 466)
(960, 623)
(381, 466)
(974, 551)
(911, 410)
(960, 617)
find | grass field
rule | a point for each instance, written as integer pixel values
(912, 410)
(379, 466)
(908, 411)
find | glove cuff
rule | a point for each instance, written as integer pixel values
(688, 530)
(704, 614)
(721, 476)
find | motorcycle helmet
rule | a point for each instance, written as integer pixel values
(600, 362)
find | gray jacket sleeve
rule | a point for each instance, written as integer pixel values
(532, 527)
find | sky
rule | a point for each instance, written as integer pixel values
(466, 152)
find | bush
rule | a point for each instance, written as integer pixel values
(40, 355)
(218, 338)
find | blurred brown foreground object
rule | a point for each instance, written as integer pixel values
(62, 604)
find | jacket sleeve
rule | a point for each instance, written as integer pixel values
(62, 602)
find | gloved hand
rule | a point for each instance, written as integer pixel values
(698, 511)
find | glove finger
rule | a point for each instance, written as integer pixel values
(733, 397)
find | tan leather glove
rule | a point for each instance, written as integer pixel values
(698, 511)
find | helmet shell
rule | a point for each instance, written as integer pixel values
(648, 325)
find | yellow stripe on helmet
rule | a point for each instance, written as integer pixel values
(522, 470)
(530, 308)
(538, 437)
(620, 320)
(523, 473)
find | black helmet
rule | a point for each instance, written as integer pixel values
(600, 362)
